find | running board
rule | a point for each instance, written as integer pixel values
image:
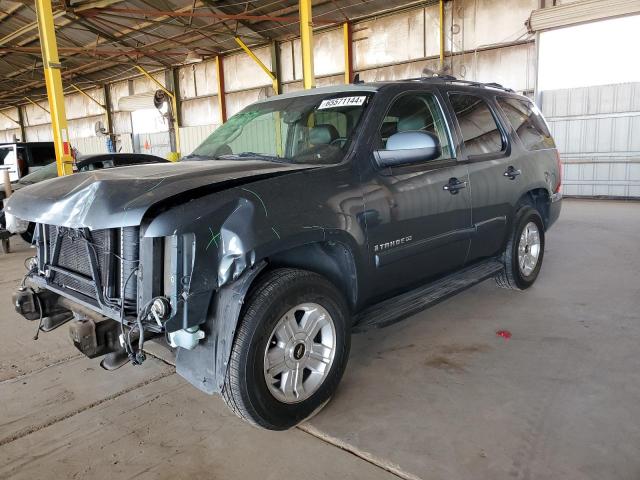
(404, 305)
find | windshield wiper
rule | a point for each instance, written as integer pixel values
(193, 156)
(252, 155)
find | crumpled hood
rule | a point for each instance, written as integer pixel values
(119, 197)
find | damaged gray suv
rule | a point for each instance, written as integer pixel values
(303, 218)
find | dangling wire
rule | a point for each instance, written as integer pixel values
(35, 337)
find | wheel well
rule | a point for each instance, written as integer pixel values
(539, 199)
(333, 260)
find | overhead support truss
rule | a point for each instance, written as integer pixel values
(265, 69)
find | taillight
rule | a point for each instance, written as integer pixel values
(559, 185)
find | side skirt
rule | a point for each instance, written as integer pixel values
(402, 306)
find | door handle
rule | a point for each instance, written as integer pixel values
(511, 173)
(454, 185)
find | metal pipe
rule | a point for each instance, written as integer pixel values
(306, 43)
(53, 80)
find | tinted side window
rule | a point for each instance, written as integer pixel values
(480, 131)
(41, 156)
(416, 112)
(528, 123)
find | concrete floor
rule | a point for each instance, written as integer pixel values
(438, 396)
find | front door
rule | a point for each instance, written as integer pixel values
(417, 216)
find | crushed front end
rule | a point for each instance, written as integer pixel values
(110, 283)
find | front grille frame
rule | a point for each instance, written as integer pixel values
(86, 266)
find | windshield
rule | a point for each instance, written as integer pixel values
(44, 173)
(310, 129)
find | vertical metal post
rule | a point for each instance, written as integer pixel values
(275, 67)
(53, 80)
(108, 116)
(175, 80)
(174, 107)
(277, 90)
(107, 109)
(23, 131)
(348, 52)
(222, 103)
(442, 50)
(306, 41)
(19, 122)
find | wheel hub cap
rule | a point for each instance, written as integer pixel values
(529, 249)
(300, 352)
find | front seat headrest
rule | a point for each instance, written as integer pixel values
(412, 123)
(323, 134)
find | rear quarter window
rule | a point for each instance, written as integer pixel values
(480, 131)
(528, 123)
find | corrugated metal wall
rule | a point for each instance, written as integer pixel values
(597, 130)
(191, 137)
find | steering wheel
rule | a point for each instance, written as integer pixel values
(342, 141)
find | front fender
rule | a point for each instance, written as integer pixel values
(205, 366)
(214, 239)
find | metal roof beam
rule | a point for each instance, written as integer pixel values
(220, 16)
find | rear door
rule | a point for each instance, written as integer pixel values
(418, 216)
(494, 174)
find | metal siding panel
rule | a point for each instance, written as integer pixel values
(621, 131)
(191, 137)
(90, 145)
(604, 135)
(590, 135)
(574, 136)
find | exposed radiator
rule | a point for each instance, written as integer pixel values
(116, 252)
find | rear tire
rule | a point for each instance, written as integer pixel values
(290, 350)
(522, 257)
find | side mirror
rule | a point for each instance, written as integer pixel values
(404, 148)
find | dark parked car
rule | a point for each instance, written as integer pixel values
(83, 164)
(86, 163)
(305, 216)
(23, 158)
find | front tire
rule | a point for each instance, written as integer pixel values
(522, 257)
(290, 350)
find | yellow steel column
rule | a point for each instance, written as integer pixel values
(222, 101)
(306, 41)
(348, 52)
(442, 35)
(53, 80)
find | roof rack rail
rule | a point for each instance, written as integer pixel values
(452, 79)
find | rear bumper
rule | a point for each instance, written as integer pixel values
(554, 209)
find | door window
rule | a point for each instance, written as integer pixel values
(528, 123)
(419, 112)
(480, 131)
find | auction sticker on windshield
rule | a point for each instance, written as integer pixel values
(342, 102)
